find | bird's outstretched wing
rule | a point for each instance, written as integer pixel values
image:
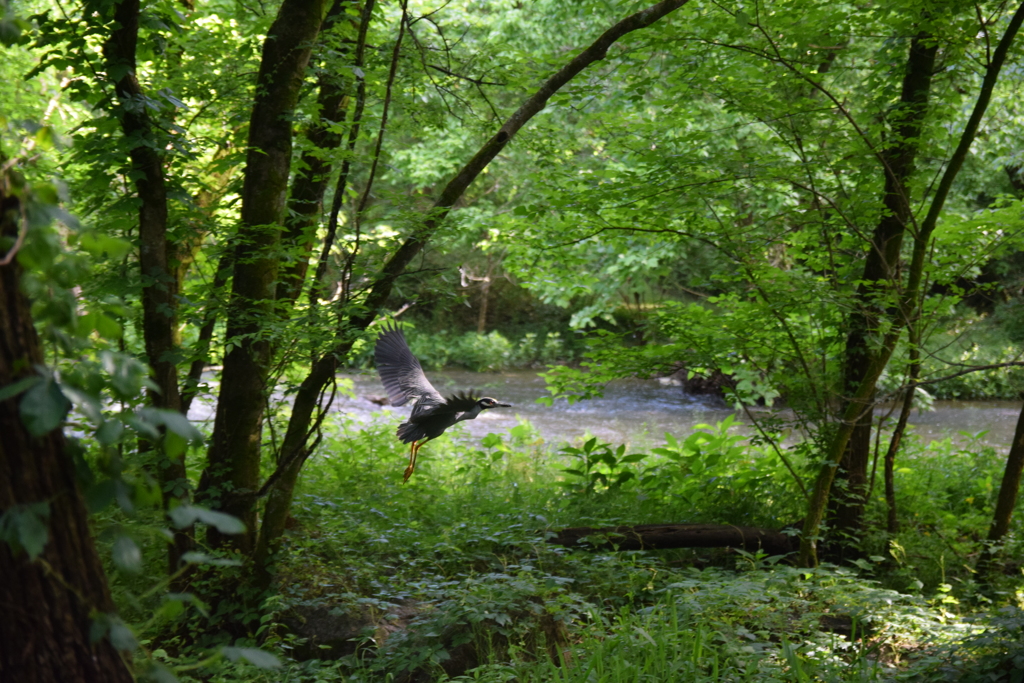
(461, 402)
(400, 372)
(451, 406)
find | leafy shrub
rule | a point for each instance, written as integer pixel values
(483, 352)
(491, 352)
(975, 343)
(1010, 316)
(460, 553)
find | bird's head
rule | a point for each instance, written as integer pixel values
(487, 402)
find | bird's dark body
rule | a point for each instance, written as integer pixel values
(428, 421)
(403, 378)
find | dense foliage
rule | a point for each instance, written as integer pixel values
(450, 575)
(813, 208)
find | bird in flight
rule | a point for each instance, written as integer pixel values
(432, 413)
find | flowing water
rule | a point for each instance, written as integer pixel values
(641, 411)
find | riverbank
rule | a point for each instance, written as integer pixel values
(639, 412)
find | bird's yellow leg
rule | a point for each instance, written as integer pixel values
(412, 460)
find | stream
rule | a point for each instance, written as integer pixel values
(641, 411)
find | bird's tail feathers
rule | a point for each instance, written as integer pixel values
(409, 432)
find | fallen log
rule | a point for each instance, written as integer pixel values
(661, 536)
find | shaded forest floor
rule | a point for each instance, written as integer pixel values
(450, 577)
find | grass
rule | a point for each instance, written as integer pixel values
(450, 577)
(453, 566)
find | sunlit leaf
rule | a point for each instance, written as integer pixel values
(106, 246)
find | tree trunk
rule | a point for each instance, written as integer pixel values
(1006, 501)
(307, 192)
(46, 603)
(880, 282)
(159, 284)
(346, 165)
(892, 523)
(837, 446)
(485, 295)
(294, 448)
(233, 468)
(909, 304)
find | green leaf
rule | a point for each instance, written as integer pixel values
(863, 564)
(118, 71)
(174, 445)
(17, 387)
(32, 531)
(491, 441)
(144, 428)
(174, 422)
(87, 404)
(109, 432)
(127, 375)
(43, 407)
(44, 137)
(175, 101)
(100, 495)
(24, 527)
(186, 515)
(107, 327)
(127, 555)
(519, 432)
(256, 657)
(170, 609)
(121, 637)
(203, 558)
(104, 246)
(189, 597)
(157, 673)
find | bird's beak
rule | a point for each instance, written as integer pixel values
(504, 405)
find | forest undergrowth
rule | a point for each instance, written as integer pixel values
(451, 577)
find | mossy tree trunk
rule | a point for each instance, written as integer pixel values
(47, 602)
(232, 475)
(907, 310)
(877, 295)
(159, 284)
(314, 170)
(1006, 501)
